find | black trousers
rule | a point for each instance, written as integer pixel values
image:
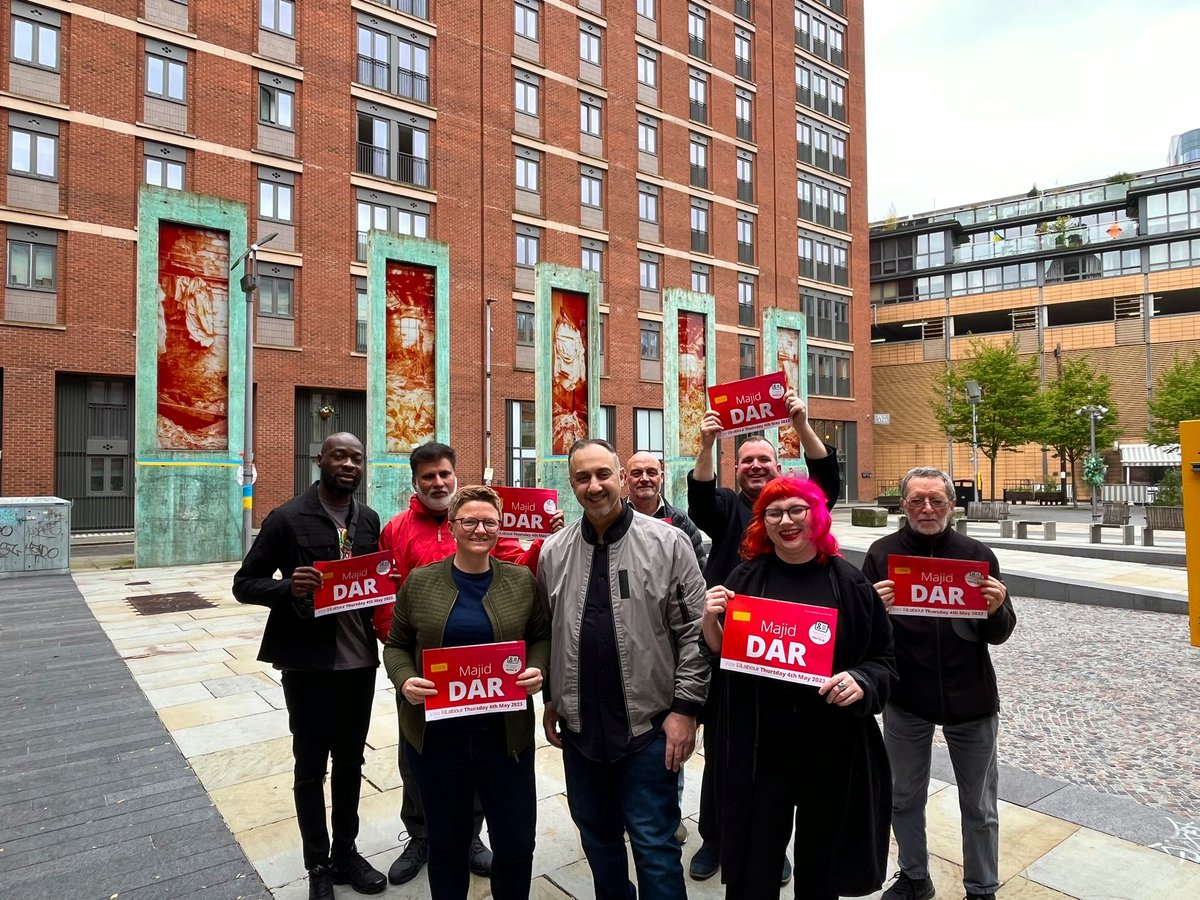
(412, 810)
(329, 714)
(460, 760)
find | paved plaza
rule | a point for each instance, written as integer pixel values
(1100, 779)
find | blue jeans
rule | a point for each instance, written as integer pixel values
(638, 795)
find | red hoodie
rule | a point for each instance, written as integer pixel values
(417, 538)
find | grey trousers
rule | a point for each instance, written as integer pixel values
(412, 810)
(972, 747)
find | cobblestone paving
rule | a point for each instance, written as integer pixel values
(1104, 698)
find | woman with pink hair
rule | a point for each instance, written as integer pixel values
(794, 753)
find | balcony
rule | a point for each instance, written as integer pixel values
(699, 241)
(360, 246)
(373, 160)
(745, 130)
(745, 253)
(741, 68)
(1080, 236)
(374, 73)
(413, 85)
(418, 8)
(697, 47)
(746, 315)
(745, 191)
(699, 176)
(360, 336)
(698, 111)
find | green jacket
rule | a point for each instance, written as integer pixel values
(516, 607)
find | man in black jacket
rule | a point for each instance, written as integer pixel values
(328, 663)
(947, 679)
(723, 515)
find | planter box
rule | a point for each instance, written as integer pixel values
(1167, 518)
(1018, 496)
(890, 502)
(1051, 498)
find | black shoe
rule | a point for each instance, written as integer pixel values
(320, 885)
(787, 871)
(905, 888)
(355, 871)
(681, 834)
(481, 858)
(409, 864)
(706, 862)
(988, 896)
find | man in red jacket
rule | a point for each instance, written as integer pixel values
(418, 536)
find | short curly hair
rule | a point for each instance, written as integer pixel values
(472, 492)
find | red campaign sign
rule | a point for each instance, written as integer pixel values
(938, 587)
(527, 511)
(751, 404)
(778, 639)
(354, 583)
(476, 679)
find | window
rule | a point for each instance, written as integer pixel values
(820, 156)
(700, 275)
(837, 101)
(276, 106)
(803, 86)
(837, 46)
(838, 153)
(1173, 211)
(648, 264)
(377, 136)
(522, 444)
(820, 93)
(413, 223)
(648, 430)
(275, 196)
(803, 142)
(804, 250)
(741, 54)
(829, 373)
(370, 216)
(651, 346)
(698, 153)
(411, 218)
(746, 313)
(526, 88)
(745, 177)
(32, 265)
(589, 115)
(647, 67)
(648, 135)
(747, 357)
(841, 271)
(697, 28)
(164, 165)
(837, 203)
(699, 226)
(606, 427)
(526, 336)
(527, 174)
(412, 69)
(745, 238)
(374, 59)
(33, 147)
(827, 316)
(278, 15)
(526, 23)
(743, 113)
(697, 96)
(35, 43)
(800, 21)
(741, 9)
(645, 8)
(602, 320)
(590, 187)
(527, 246)
(275, 296)
(591, 258)
(360, 322)
(589, 46)
(166, 76)
(647, 203)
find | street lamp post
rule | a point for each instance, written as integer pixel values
(974, 395)
(1095, 413)
(249, 285)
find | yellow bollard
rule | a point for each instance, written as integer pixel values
(1189, 445)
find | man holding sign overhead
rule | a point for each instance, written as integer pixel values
(328, 661)
(945, 615)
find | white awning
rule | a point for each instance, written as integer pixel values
(1149, 455)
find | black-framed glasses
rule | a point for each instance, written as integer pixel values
(920, 502)
(775, 514)
(491, 526)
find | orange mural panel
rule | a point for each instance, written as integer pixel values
(193, 338)
(409, 351)
(568, 373)
(788, 359)
(693, 367)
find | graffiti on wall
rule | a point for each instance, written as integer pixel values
(409, 373)
(693, 367)
(568, 373)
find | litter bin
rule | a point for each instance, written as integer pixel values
(35, 536)
(964, 492)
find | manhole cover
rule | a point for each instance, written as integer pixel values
(179, 601)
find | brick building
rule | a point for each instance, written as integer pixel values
(1107, 270)
(660, 143)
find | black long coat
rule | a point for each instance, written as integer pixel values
(863, 646)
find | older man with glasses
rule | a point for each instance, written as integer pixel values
(947, 679)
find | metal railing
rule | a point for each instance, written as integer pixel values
(698, 111)
(413, 85)
(699, 241)
(745, 191)
(374, 73)
(741, 67)
(360, 246)
(413, 169)
(745, 129)
(1080, 236)
(741, 9)
(697, 47)
(360, 336)
(699, 176)
(745, 253)
(418, 8)
(373, 160)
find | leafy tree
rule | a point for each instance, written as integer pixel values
(1062, 428)
(1176, 399)
(1009, 413)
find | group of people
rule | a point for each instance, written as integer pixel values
(622, 616)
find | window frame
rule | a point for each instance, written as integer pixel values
(167, 63)
(35, 43)
(526, 12)
(275, 105)
(277, 189)
(277, 7)
(531, 89)
(33, 151)
(274, 282)
(50, 251)
(592, 41)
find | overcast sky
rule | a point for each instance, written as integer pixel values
(969, 100)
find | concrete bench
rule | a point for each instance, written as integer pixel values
(1049, 529)
(868, 516)
(1096, 530)
(1148, 535)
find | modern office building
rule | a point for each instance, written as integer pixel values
(711, 146)
(1108, 270)
(1185, 148)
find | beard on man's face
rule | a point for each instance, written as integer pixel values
(339, 488)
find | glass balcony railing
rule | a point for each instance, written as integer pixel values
(1107, 233)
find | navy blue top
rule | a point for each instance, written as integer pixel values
(468, 622)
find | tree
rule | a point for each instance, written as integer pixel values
(1176, 399)
(1062, 428)
(1009, 413)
